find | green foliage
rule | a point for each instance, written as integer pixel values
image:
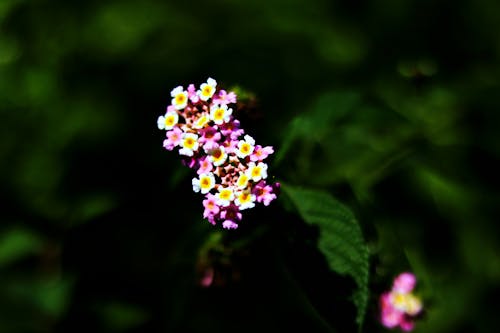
(340, 239)
(18, 243)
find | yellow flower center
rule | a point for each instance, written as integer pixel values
(225, 194)
(256, 172)
(242, 181)
(245, 197)
(207, 91)
(200, 123)
(170, 121)
(205, 182)
(180, 98)
(245, 148)
(189, 143)
(219, 114)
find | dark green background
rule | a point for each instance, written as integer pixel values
(392, 106)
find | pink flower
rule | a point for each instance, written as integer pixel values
(192, 95)
(232, 129)
(404, 282)
(173, 139)
(224, 98)
(264, 193)
(260, 153)
(232, 213)
(399, 307)
(210, 138)
(210, 204)
(205, 165)
(228, 224)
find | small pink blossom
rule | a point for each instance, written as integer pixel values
(228, 224)
(232, 129)
(404, 282)
(193, 96)
(399, 307)
(224, 98)
(210, 204)
(260, 153)
(174, 137)
(205, 166)
(210, 137)
(264, 193)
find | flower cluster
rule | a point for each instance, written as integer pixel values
(399, 306)
(232, 175)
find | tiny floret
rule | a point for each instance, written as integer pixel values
(207, 90)
(257, 171)
(220, 113)
(245, 147)
(179, 98)
(168, 121)
(189, 144)
(204, 183)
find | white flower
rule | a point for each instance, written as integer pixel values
(245, 147)
(220, 114)
(179, 98)
(205, 183)
(189, 144)
(257, 172)
(245, 199)
(168, 121)
(218, 156)
(225, 196)
(242, 181)
(207, 90)
(201, 122)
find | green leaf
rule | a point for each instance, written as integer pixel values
(16, 244)
(340, 240)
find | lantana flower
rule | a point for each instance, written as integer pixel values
(230, 166)
(179, 98)
(399, 307)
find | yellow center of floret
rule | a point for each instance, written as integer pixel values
(180, 98)
(200, 123)
(205, 182)
(242, 181)
(256, 172)
(413, 305)
(399, 300)
(189, 143)
(170, 121)
(219, 114)
(245, 148)
(207, 91)
(245, 197)
(225, 194)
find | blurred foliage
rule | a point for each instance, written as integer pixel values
(388, 106)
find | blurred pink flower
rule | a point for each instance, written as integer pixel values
(399, 306)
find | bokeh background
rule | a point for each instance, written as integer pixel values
(391, 106)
